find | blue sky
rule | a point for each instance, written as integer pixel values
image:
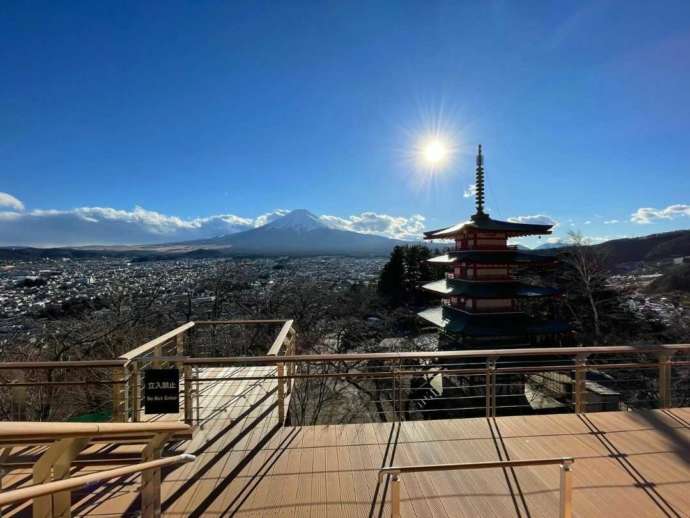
(166, 116)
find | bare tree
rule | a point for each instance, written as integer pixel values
(586, 275)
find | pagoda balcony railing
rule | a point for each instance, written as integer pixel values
(459, 248)
(487, 277)
(385, 386)
(492, 311)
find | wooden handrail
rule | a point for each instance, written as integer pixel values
(280, 339)
(31, 431)
(72, 364)
(354, 357)
(49, 488)
(444, 355)
(566, 491)
(241, 322)
(142, 349)
(419, 468)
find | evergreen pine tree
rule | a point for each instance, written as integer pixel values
(392, 278)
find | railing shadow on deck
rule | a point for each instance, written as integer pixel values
(679, 441)
(665, 508)
(169, 500)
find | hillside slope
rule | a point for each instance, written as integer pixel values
(647, 248)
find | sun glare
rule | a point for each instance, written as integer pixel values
(430, 148)
(435, 152)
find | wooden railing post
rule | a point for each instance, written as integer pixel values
(120, 395)
(62, 501)
(665, 400)
(290, 351)
(181, 370)
(280, 367)
(151, 478)
(179, 349)
(55, 464)
(135, 397)
(491, 387)
(157, 353)
(401, 407)
(19, 398)
(580, 384)
(394, 395)
(566, 497)
(395, 496)
(188, 401)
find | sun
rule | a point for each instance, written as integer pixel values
(429, 149)
(435, 152)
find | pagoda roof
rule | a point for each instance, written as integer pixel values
(488, 289)
(483, 222)
(490, 324)
(507, 256)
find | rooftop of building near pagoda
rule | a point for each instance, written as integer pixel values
(481, 221)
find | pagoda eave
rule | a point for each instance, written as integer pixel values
(451, 320)
(492, 257)
(488, 289)
(508, 228)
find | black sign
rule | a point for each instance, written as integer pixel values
(162, 391)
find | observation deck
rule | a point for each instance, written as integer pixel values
(243, 442)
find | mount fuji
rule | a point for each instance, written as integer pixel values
(299, 233)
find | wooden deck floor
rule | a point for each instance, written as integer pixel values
(627, 464)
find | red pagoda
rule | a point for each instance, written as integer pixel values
(482, 302)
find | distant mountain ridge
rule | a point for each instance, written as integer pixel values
(549, 246)
(301, 233)
(647, 248)
(653, 247)
(298, 233)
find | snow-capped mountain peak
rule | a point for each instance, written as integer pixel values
(299, 219)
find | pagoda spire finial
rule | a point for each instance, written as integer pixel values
(479, 183)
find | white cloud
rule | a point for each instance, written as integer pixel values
(611, 222)
(537, 219)
(396, 227)
(109, 226)
(646, 215)
(10, 202)
(269, 216)
(9, 215)
(588, 222)
(471, 191)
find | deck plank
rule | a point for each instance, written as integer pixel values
(627, 463)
